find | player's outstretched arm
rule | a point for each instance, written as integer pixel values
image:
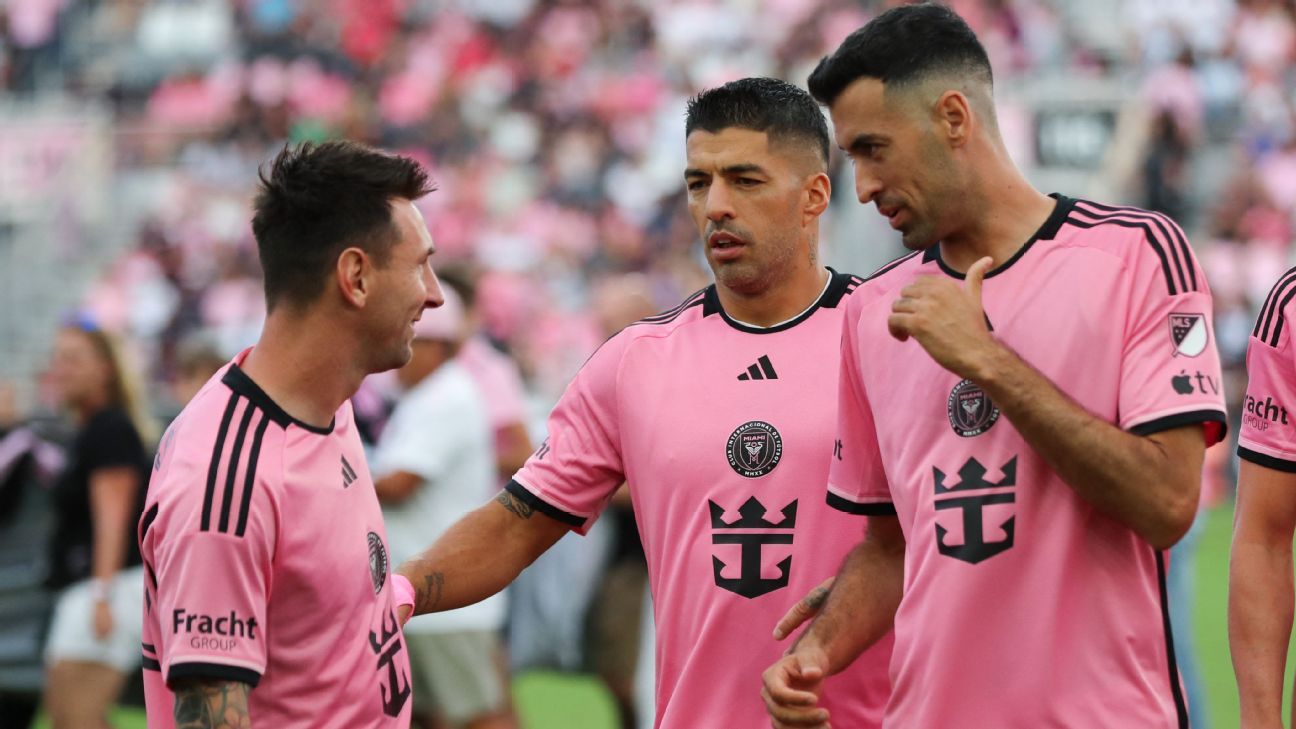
(1260, 591)
(1149, 483)
(858, 611)
(481, 554)
(211, 704)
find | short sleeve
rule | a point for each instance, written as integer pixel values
(575, 471)
(1170, 367)
(212, 587)
(857, 483)
(1268, 435)
(110, 440)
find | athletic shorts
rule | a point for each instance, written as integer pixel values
(72, 637)
(457, 675)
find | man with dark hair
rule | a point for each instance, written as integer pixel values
(719, 416)
(1026, 461)
(262, 537)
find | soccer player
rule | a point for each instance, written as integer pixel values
(719, 414)
(267, 598)
(1025, 404)
(1260, 569)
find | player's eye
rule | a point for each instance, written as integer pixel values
(694, 185)
(747, 181)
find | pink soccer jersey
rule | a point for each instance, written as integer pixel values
(266, 563)
(1023, 605)
(724, 433)
(1268, 435)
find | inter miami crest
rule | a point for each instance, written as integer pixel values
(377, 562)
(754, 449)
(1189, 334)
(971, 412)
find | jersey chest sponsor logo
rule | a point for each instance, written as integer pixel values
(752, 532)
(970, 410)
(377, 562)
(952, 496)
(754, 449)
(1189, 334)
(214, 632)
(393, 683)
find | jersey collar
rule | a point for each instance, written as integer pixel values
(838, 285)
(1047, 231)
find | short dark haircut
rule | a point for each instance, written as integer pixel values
(777, 108)
(905, 45)
(319, 199)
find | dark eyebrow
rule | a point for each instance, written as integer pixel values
(863, 140)
(746, 168)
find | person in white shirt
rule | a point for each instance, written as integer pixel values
(432, 464)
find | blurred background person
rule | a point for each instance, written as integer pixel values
(95, 635)
(433, 464)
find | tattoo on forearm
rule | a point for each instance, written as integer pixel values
(429, 598)
(212, 706)
(515, 505)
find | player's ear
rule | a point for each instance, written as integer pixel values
(354, 271)
(817, 193)
(953, 114)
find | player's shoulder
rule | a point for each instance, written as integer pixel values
(1136, 236)
(890, 277)
(1278, 313)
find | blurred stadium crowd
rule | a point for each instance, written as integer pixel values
(554, 131)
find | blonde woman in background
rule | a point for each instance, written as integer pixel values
(94, 640)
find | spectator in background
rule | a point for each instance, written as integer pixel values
(196, 360)
(497, 378)
(434, 462)
(95, 636)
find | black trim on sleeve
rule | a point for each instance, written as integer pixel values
(1179, 419)
(150, 664)
(544, 507)
(213, 670)
(1261, 459)
(852, 507)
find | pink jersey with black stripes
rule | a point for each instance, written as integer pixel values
(266, 563)
(1025, 606)
(724, 433)
(1268, 434)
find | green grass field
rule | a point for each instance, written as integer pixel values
(554, 701)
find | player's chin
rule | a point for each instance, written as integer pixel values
(395, 357)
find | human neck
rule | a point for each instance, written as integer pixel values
(779, 302)
(304, 367)
(1007, 211)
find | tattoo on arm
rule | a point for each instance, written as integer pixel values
(515, 505)
(212, 705)
(429, 598)
(816, 598)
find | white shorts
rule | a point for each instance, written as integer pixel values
(72, 637)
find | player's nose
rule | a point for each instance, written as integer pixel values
(434, 297)
(719, 202)
(867, 186)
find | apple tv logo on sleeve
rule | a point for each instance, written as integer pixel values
(1199, 382)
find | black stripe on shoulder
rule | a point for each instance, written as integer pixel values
(1171, 285)
(670, 314)
(854, 507)
(238, 381)
(887, 267)
(150, 664)
(250, 481)
(542, 506)
(231, 470)
(212, 670)
(214, 467)
(148, 648)
(1269, 323)
(1268, 461)
(840, 285)
(1171, 231)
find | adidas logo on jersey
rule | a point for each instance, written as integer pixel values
(348, 473)
(763, 369)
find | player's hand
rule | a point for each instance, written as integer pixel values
(103, 619)
(945, 318)
(804, 610)
(792, 688)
